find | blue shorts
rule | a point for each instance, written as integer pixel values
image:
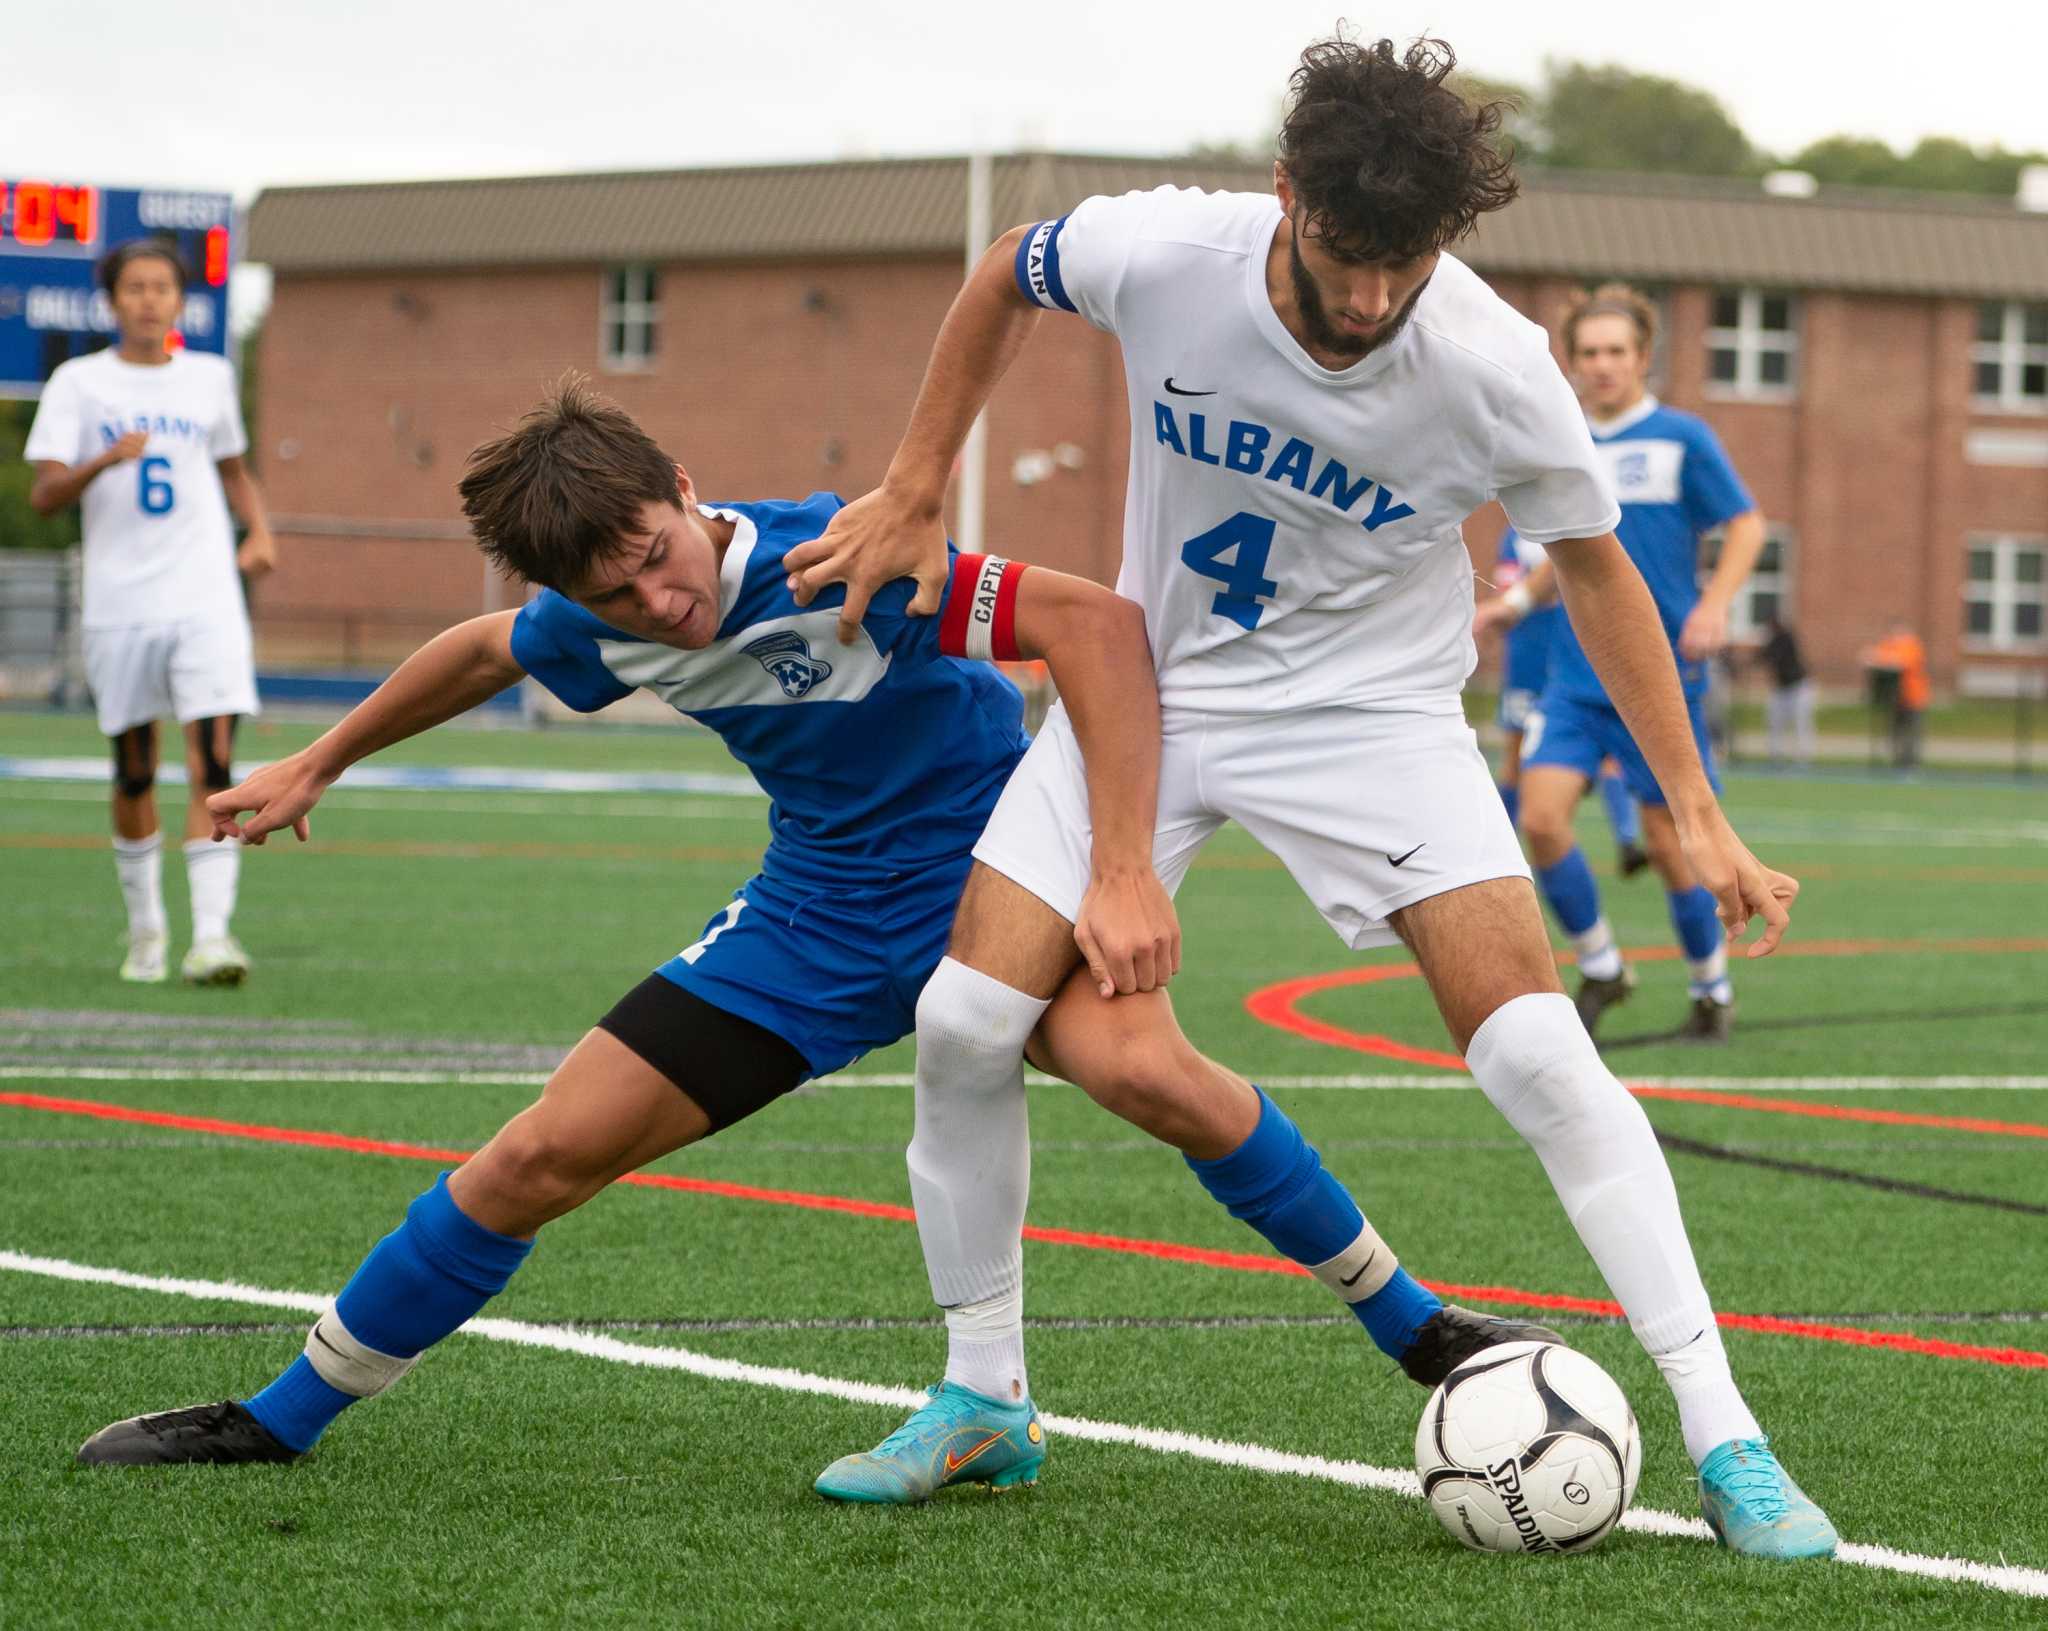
(1575, 734)
(1517, 703)
(833, 972)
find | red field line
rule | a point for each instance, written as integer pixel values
(1170, 1251)
(1278, 1005)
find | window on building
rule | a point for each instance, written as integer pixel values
(1753, 344)
(2005, 593)
(628, 318)
(1768, 593)
(2009, 362)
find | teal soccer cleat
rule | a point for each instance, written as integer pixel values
(956, 1437)
(1751, 1502)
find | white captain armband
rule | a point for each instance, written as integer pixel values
(980, 619)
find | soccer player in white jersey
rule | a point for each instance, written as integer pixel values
(1319, 395)
(147, 439)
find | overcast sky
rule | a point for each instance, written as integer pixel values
(239, 96)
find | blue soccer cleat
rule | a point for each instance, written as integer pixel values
(1751, 1502)
(957, 1437)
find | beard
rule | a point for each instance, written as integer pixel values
(1324, 334)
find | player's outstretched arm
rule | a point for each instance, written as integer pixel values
(1616, 621)
(449, 675)
(1094, 642)
(896, 531)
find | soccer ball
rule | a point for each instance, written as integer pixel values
(1528, 1447)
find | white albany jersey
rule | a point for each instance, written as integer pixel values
(1293, 531)
(159, 547)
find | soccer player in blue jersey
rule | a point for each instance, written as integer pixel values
(883, 757)
(1675, 484)
(1524, 668)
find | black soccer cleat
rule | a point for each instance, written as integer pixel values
(1453, 1335)
(1708, 1021)
(1595, 997)
(1633, 859)
(216, 1434)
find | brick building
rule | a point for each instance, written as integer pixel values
(1876, 363)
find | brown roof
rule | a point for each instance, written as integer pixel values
(1654, 228)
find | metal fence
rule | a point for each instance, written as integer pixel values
(39, 658)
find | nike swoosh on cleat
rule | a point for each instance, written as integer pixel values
(1352, 1279)
(1396, 860)
(955, 1463)
(1177, 391)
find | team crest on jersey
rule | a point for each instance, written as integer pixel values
(1632, 469)
(787, 656)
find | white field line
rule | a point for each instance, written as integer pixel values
(2011, 1578)
(440, 778)
(619, 806)
(1443, 1081)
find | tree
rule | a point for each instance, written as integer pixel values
(1848, 161)
(20, 526)
(1611, 118)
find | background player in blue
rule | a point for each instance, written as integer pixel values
(883, 758)
(1524, 667)
(1675, 484)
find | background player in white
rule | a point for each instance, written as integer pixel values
(148, 441)
(1319, 396)
(1675, 484)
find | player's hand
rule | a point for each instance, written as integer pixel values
(1742, 885)
(1704, 632)
(126, 448)
(280, 794)
(257, 554)
(876, 539)
(1491, 615)
(1128, 933)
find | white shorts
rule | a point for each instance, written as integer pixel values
(196, 668)
(1370, 812)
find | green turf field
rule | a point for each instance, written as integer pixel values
(453, 943)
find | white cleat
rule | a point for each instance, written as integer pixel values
(215, 962)
(149, 959)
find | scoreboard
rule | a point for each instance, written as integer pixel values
(52, 237)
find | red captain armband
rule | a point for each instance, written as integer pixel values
(980, 620)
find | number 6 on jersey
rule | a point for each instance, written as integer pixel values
(1243, 577)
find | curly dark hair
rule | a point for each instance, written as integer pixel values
(1386, 160)
(553, 498)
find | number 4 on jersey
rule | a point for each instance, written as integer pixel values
(1243, 576)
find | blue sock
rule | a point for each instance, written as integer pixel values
(1571, 891)
(1276, 1182)
(420, 1282)
(1511, 796)
(1698, 923)
(1622, 815)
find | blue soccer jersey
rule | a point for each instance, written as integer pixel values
(1675, 483)
(882, 758)
(1525, 650)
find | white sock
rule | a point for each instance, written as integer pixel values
(970, 1156)
(138, 862)
(1599, 957)
(213, 870)
(985, 1345)
(1534, 1060)
(1710, 975)
(1710, 1407)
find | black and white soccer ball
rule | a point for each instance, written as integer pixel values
(1528, 1447)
